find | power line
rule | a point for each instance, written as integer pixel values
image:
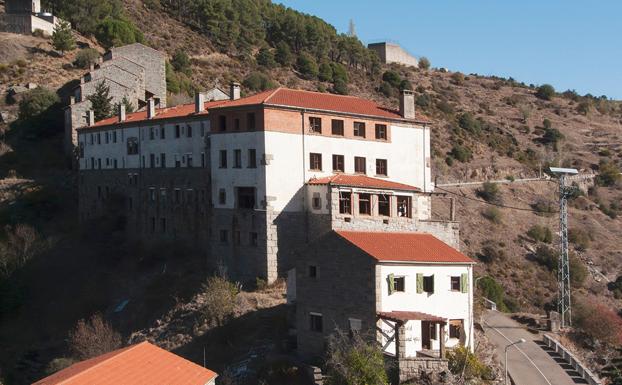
(492, 203)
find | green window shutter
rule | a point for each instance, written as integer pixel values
(419, 283)
(391, 280)
(464, 283)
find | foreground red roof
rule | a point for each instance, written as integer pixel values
(362, 181)
(138, 364)
(404, 247)
(403, 316)
(279, 97)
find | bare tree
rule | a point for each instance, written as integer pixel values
(219, 300)
(22, 243)
(92, 338)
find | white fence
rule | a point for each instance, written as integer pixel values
(584, 372)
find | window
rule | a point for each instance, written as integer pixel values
(455, 283)
(252, 158)
(222, 123)
(177, 195)
(163, 225)
(162, 132)
(315, 125)
(315, 322)
(381, 167)
(359, 129)
(396, 283)
(153, 224)
(365, 204)
(246, 197)
(237, 159)
(250, 120)
(115, 163)
(403, 206)
(163, 160)
(253, 238)
(99, 138)
(224, 236)
(345, 202)
(177, 131)
(236, 124)
(223, 158)
(189, 160)
(359, 165)
(313, 271)
(114, 137)
(384, 207)
(428, 284)
(99, 163)
(189, 131)
(222, 196)
(91, 141)
(315, 161)
(316, 201)
(163, 196)
(177, 161)
(354, 325)
(152, 194)
(455, 328)
(337, 127)
(152, 159)
(132, 146)
(203, 160)
(236, 238)
(338, 163)
(151, 133)
(81, 150)
(381, 131)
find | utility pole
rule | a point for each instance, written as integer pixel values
(563, 263)
(351, 29)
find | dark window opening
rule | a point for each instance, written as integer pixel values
(381, 131)
(338, 163)
(163, 160)
(223, 158)
(152, 160)
(359, 165)
(252, 158)
(253, 239)
(399, 284)
(177, 131)
(312, 271)
(163, 225)
(337, 127)
(236, 124)
(315, 125)
(237, 158)
(162, 132)
(236, 238)
(246, 197)
(222, 196)
(455, 328)
(403, 206)
(345, 203)
(384, 206)
(359, 129)
(132, 146)
(365, 204)
(315, 322)
(455, 283)
(250, 118)
(381, 167)
(428, 284)
(315, 161)
(317, 203)
(189, 131)
(224, 236)
(222, 123)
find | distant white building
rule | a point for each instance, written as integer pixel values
(26, 17)
(393, 53)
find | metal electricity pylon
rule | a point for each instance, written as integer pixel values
(563, 264)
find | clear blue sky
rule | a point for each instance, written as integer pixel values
(570, 44)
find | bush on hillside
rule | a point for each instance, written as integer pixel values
(307, 66)
(340, 87)
(265, 58)
(489, 192)
(580, 238)
(608, 174)
(424, 63)
(339, 72)
(461, 153)
(545, 92)
(181, 62)
(219, 300)
(616, 287)
(423, 100)
(540, 234)
(114, 32)
(283, 54)
(544, 208)
(353, 360)
(392, 78)
(598, 322)
(466, 365)
(457, 78)
(467, 122)
(386, 89)
(493, 214)
(93, 338)
(492, 290)
(552, 137)
(405, 85)
(491, 253)
(85, 57)
(578, 272)
(258, 81)
(325, 73)
(36, 103)
(62, 38)
(547, 256)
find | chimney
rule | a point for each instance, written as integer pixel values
(151, 109)
(407, 104)
(199, 102)
(121, 112)
(234, 91)
(90, 118)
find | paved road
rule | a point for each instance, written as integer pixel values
(528, 363)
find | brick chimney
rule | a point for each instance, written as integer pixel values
(234, 91)
(151, 109)
(407, 104)
(121, 112)
(199, 102)
(90, 118)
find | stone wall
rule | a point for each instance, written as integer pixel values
(393, 53)
(412, 368)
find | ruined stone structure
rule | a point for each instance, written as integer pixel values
(25, 17)
(393, 53)
(134, 71)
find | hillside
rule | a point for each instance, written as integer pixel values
(484, 128)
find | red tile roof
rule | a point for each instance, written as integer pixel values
(138, 364)
(362, 181)
(404, 247)
(282, 97)
(403, 316)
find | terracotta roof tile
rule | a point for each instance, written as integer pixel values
(138, 364)
(277, 97)
(362, 181)
(404, 316)
(404, 247)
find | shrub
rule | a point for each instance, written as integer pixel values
(540, 234)
(116, 32)
(444, 107)
(492, 290)
(386, 89)
(584, 107)
(258, 81)
(598, 322)
(608, 174)
(424, 63)
(352, 360)
(423, 100)
(326, 73)
(62, 38)
(461, 153)
(580, 238)
(465, 364)
(552, 136)
(283, 54)
(468, 122)
(544, 207)
(92, 338)
(405, 85)
(616, 287)
(457, 78)
(181, 62)
(86, 57)
(219, 300)
(392, 78)
(36, 102)
(58, 364)
(339, 72)
(493, 214)
(490, 253)
(578, 272)
(307, 66)
(547, 257)
(489, 192)
(22, 243)
(38, 32)
(265, 58)
(545, 92)
(340, 87)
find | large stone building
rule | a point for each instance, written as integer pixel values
(393, 53)
(255, 177)
(26, 17)
(134, 71)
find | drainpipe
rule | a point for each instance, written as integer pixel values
(304, 175)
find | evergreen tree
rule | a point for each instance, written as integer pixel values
(283, 54)
(101, 101)
(62, 38)
(265, 58)
(181, 62)
(326, 73)
(129, 107)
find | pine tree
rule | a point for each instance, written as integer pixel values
(101, 101)
(129, 107)
(62, 38)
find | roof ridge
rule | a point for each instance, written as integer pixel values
(274, 91)
(117, 353)
(325, 93)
